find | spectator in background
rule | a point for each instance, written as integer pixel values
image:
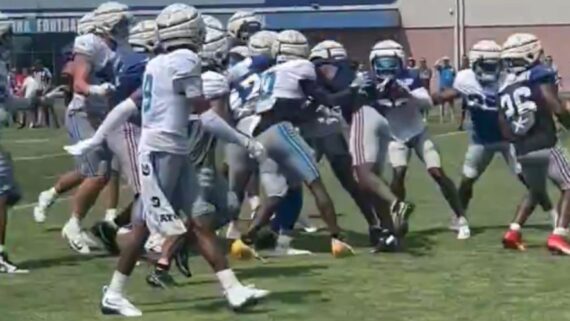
(424, 73)
(43, 77)
(412, 66)
(30, 89)
(446, 75)
(16, 82)
(464, 62)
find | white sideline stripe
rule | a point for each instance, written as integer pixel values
(30, 205)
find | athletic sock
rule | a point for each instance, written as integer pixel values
(118, 282)
(227, 279)
(515, 227)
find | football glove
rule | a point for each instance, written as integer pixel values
(340, 248)
(362, 80)
(101, 90)
(82, 147)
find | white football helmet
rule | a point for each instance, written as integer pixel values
(180, 25)
(485, 60)
(113, 19)
(6, 26)
(86, 24)
(244, 24)
(387, 58)
(216, 45)
(261, 43)
(328, 50)
(521, 51)
(142, 36)
(289, 45)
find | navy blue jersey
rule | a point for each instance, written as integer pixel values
(481, 102)
(521, 102)
(382, 97)
(344, 76)
(128, 77)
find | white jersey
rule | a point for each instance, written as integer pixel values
(404, 115)
(102, 60)
(165, 111)
(283, 81)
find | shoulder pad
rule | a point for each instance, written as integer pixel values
(411, 79)
(465, 81)
(184, 63)
(302, 67)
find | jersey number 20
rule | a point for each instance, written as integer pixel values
(266, 99)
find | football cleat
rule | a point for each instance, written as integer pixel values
(107, 234)
(283, 248)
(557, 244)
(401, 212)
(181, 258)
(464, 232)
(340, 248)
(386, 242)
(6, 266)
(75, 239)
(45, 200)
(116, 304)
(241, 251)
(160, 279)
(240, 297)
(513, 240)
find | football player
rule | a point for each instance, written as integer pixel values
(528, 101)
(284, 90)
(478, 86)
(400, 97)
(93, 64)
(168, 182)
(326, 131)
(245, 78)
(71, 179)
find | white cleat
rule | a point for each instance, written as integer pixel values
(75, 239)
(463, 231)
(258, 294)
(453, 224)
(45, 200)
(7, 267)
(116, 304)
(283, 248)
(240, 297)
(306, 225)
(87, 239)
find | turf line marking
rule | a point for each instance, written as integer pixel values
(26, 141)
(455, 133)
(28, 158)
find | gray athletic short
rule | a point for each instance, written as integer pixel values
(8, 185)
(79, 127)
(479, 156)
(290, 160)
(175, 177)
(550, 163)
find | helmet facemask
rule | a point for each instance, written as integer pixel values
(387, 67)
(487, 70)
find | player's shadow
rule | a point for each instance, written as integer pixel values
(216, 304)
(417, 244)
(68, 260)
(269, 271)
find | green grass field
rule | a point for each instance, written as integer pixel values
(436, 278)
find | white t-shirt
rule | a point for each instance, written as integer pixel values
(165, 111)
(30, 87)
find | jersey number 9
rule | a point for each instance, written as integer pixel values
(147, 92)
